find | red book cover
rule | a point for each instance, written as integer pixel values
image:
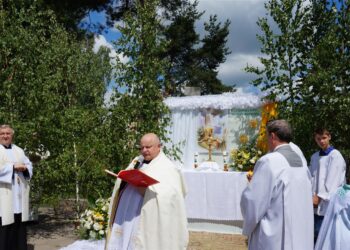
(135, 177)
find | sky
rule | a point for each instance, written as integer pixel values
(242, 42)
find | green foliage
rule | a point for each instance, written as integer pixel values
(140, 109)
(282, 59)
(209, 56)
(53, 93)
(326, 88)
(305, 64)
(194, 61)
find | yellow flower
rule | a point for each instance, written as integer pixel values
(234, 153)
(98, 216)
(243, 139)
(253, 123)
(246, 155)
(250, 175)
(269, 111)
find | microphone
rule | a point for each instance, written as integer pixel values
(139, 162)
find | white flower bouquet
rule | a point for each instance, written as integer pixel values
(93, 222)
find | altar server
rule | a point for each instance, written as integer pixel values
(277, 204)
(335, 229)
(15, 173)
(151, 218)
(327, 168)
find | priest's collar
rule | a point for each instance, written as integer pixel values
(7, 147)
(327, 151)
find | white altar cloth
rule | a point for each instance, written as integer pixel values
(214, 195)
(208, 165)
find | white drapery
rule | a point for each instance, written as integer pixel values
(188, 115)
(183, 134)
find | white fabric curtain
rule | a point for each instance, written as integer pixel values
(183, 135)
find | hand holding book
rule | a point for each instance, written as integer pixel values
(134, 177)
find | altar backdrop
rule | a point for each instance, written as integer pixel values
(224, 117)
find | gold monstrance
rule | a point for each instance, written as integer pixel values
(208, 141)
(210, 144)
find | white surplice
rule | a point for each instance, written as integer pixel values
(277, 205)
(14, 187)
(126, 220)
(161, 222)
(335, 230)
(328, 174)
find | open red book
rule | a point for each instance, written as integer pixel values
(134, 177)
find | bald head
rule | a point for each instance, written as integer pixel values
(150, 146)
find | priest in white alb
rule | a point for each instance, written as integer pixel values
(153, 217)
(335, 230)
(277, 204)
(15, 173)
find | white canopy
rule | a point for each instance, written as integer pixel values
(223, 101)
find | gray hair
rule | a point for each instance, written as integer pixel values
(3, 126)
(281, 128)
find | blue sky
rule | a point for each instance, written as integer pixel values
(242, 42)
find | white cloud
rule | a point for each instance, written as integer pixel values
(232, 71)
(107, 97)
(100, 41)
(116, 24)
(242, 41)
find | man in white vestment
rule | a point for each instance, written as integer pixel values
(15, 173)
(327, 168)
(277, 204)
(335, 229)
(152, 218)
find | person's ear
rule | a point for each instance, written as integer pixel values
(273, 135)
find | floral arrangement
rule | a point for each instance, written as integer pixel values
(246, 155)
(253, 143)
(93, 222)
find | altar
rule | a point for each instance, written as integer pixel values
(219, 119)
(213, 200)
(203, 132)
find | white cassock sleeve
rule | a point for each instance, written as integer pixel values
(334, 177)
(256, 197)
(6, 172)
